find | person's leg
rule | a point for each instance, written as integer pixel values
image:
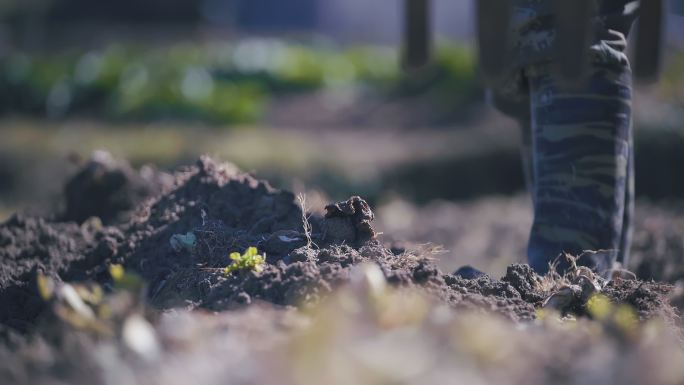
(581, 151)
(580, 148)
(526, 153)
(626, 241)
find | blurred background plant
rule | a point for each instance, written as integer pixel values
(217, 83)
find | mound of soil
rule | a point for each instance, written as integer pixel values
(229, 211)
(179, 243)
(110, 189)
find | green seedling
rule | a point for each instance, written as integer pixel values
(46, 286)
(621, 317)
(250, 260)
(125, 280)
(80, 305)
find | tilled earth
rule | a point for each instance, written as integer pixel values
(491, 233)
(333, 303)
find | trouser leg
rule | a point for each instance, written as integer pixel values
(581, 154)
(628, 217)
(526, 153)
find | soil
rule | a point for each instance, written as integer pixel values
(229, 211)
(59, 249)
(492, 232)
(112, 187)
(308, 257)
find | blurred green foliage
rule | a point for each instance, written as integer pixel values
(672, 81)
(216, 83)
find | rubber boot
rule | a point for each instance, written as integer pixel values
(581, 154)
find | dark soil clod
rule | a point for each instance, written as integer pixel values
(349, 222)
(109, 189)
(468, 272)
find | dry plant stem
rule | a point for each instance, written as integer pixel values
(306, 225)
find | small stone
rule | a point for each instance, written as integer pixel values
(283, 242)
(468, 272)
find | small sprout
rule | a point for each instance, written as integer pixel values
(185, 241)
(617, 317)
(94, 223)
(46, 287)
(91, 294)
(626, 318)
(117, 272)
(599, 307)
(541, 314)
(70, 296)
(250, 260)
(124, 280)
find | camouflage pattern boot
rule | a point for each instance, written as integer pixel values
(577, 139)
(581, 160)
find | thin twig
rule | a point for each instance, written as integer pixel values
(301, 198)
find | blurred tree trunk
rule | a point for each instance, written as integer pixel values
(25, 22)
(417, 33)
(33, 29)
